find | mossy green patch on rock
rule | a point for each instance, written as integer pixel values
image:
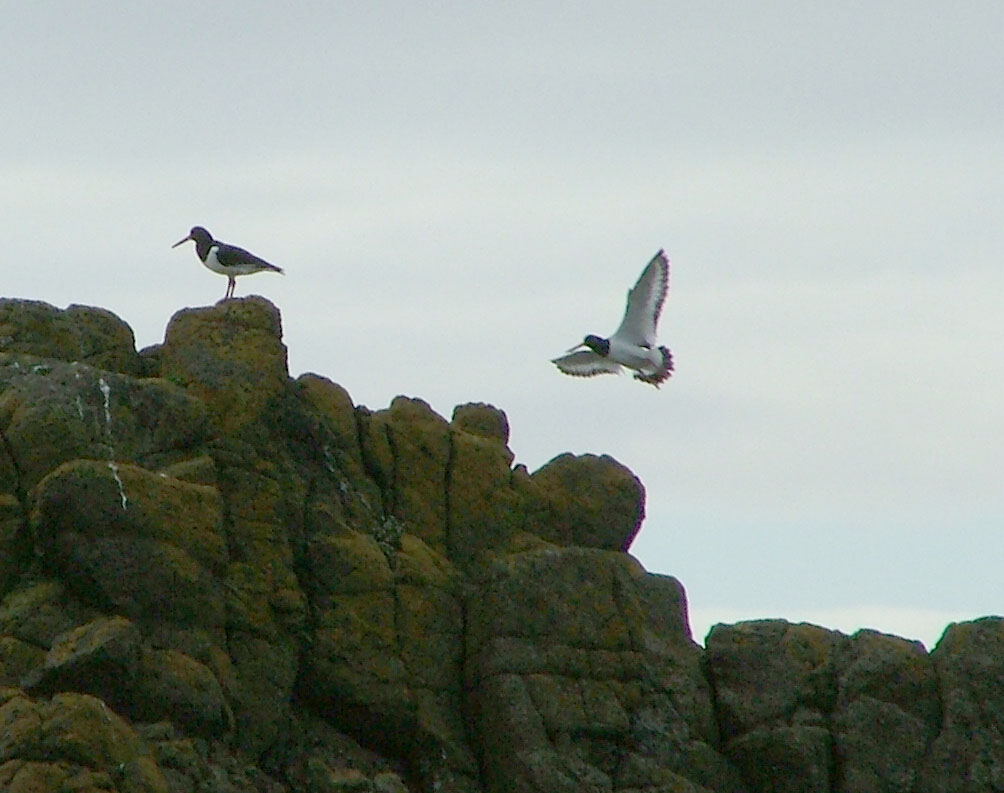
(75, 730)
(343, 488)
(200, 470)
(107, 342)
(968, 753)
(15, 543)
(172, 686)
(230, 356)
(407, 449)
(284, 591)
(348, 562)
(63, 412)
(98, 658)
(39, 611)
(86, 334)
(333, 403)
(767, 671)
(485, 509)
(567, 668)
(589, 501)
(138, 543)
(95, 499)
(17, 658)
(486, 421)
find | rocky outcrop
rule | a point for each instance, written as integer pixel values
(217, 578)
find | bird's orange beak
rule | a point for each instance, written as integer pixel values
(181, 241)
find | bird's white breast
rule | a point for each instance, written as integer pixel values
(644, 359)
(214, 264)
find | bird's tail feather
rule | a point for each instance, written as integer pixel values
(663, 374)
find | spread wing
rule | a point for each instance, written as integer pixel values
(644, 303)
(586, 363)
(240, 259)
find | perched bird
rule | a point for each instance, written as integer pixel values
(633, 344)
(228, 260)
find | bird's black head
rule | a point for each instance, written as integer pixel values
(597, 345)
(199, 235)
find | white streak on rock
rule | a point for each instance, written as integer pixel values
(118, 480)
(106, 390)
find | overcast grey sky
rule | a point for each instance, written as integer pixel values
(459, 192)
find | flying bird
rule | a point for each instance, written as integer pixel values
(633, 344)
(228, 260)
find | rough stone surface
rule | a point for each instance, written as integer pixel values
(71, 742)
(216, 578)
(100, 657)
(134, 542)
(968, 753)
(92, 336)
(887, 713)
(230, 356)
(477, 418)
(589, 501)
(583, 675)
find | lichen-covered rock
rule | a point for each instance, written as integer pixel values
(355, 657)
(572, 675)
(968, 753)
(93, 336)
(355, 499)
(72, 742)
(14, 540)
(135, 542)
(94, 498)
(771, 671)
(107, 342)
(199, 470)
(41, 611)
(784, 758)
(172, 686)
(282, 591)
(887, 712)
(804, 708)
(100, 657)
(590, 501)
(486, 421)
(108, 658)
(333, 403)
(485, 508)
(315, 757)
(386, 656)
(406, 449)
(775, 686)
(17, 659)
(199, 764)
(53, 412)
(230, 356)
